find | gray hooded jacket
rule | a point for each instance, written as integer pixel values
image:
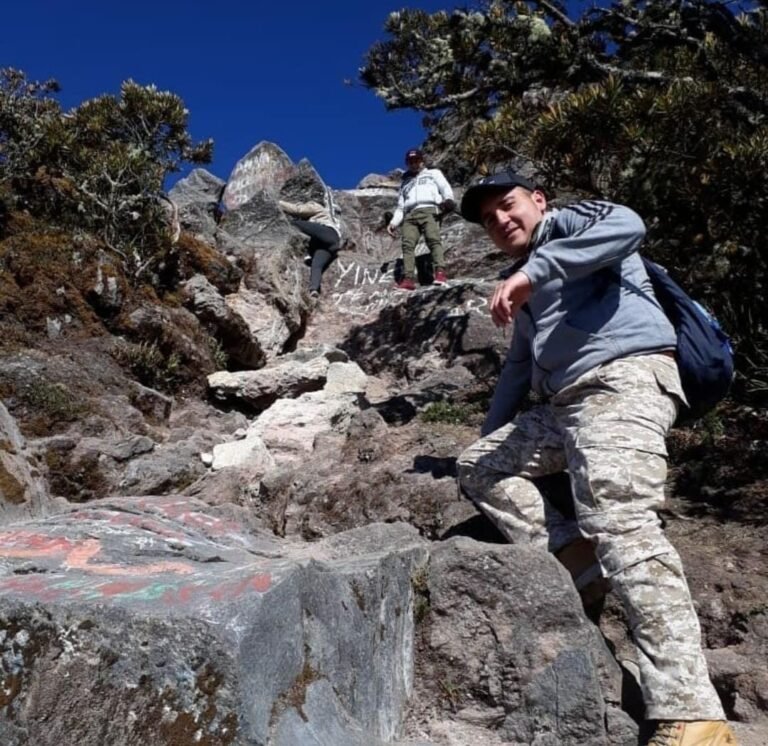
(589, 305)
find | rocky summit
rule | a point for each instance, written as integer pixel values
(229, 512)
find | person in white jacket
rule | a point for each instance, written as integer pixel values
(321, 224)
(424, 195)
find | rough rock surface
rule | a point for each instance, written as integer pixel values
(23, 492)
(170, 623)
(280, 554)
(505, 644)
(197, 198)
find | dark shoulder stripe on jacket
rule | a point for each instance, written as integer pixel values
(603, 211)
(585, 207)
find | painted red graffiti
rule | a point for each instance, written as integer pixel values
(120, 518)
(23, 544)
(78, 554)
(179, 510)
(259, 583)
(80, 559)
(120, 588)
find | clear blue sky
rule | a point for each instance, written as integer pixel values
(246, 70)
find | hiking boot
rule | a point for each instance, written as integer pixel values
(314, 294)
(693, 733)
(406, 284)
(308, 260)
(440, 277)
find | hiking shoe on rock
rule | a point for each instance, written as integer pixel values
(314, 294)
(693, 733)
(406, 284)
(308, 260)
(440, 277)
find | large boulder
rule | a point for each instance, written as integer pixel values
(159, 621)
(273, 325)
(450, 322)
(504, 643)
(288, 377)
(264, 168)
(271, 298)
(223, 323)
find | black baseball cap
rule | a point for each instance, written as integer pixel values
(502, 181)
(414, 153)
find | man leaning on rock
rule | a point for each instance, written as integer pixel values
(602, 358)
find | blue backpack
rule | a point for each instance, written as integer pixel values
(704, 352)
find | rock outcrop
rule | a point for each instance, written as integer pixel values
(232, 517)
(168, 624)
(23, 492)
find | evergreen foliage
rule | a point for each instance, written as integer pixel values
(99, 166)
(660, 104)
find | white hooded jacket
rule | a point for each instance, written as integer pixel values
(427, 188)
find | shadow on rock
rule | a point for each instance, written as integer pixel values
(437, 467)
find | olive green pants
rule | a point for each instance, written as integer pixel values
(421, 222)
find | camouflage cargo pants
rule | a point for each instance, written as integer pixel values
(608, 430)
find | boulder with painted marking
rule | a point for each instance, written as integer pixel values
(161, 621)
(264, 167)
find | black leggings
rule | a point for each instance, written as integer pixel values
(323, 247)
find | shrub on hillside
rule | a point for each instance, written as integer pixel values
(100, 166)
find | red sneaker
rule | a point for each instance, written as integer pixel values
(440, 277)
(406, 284)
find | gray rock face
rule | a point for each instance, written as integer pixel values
(303, 183)
(270, 325)
(223, 323)
(198, 197)
(259, 223)
(23, 493)
(505, 637)
(264, 168)
(271, 299)
(447, 325)
(169, 624)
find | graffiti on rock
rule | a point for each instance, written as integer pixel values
(170, 591)
(79, 554)
(172, 582)
(373, 289)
